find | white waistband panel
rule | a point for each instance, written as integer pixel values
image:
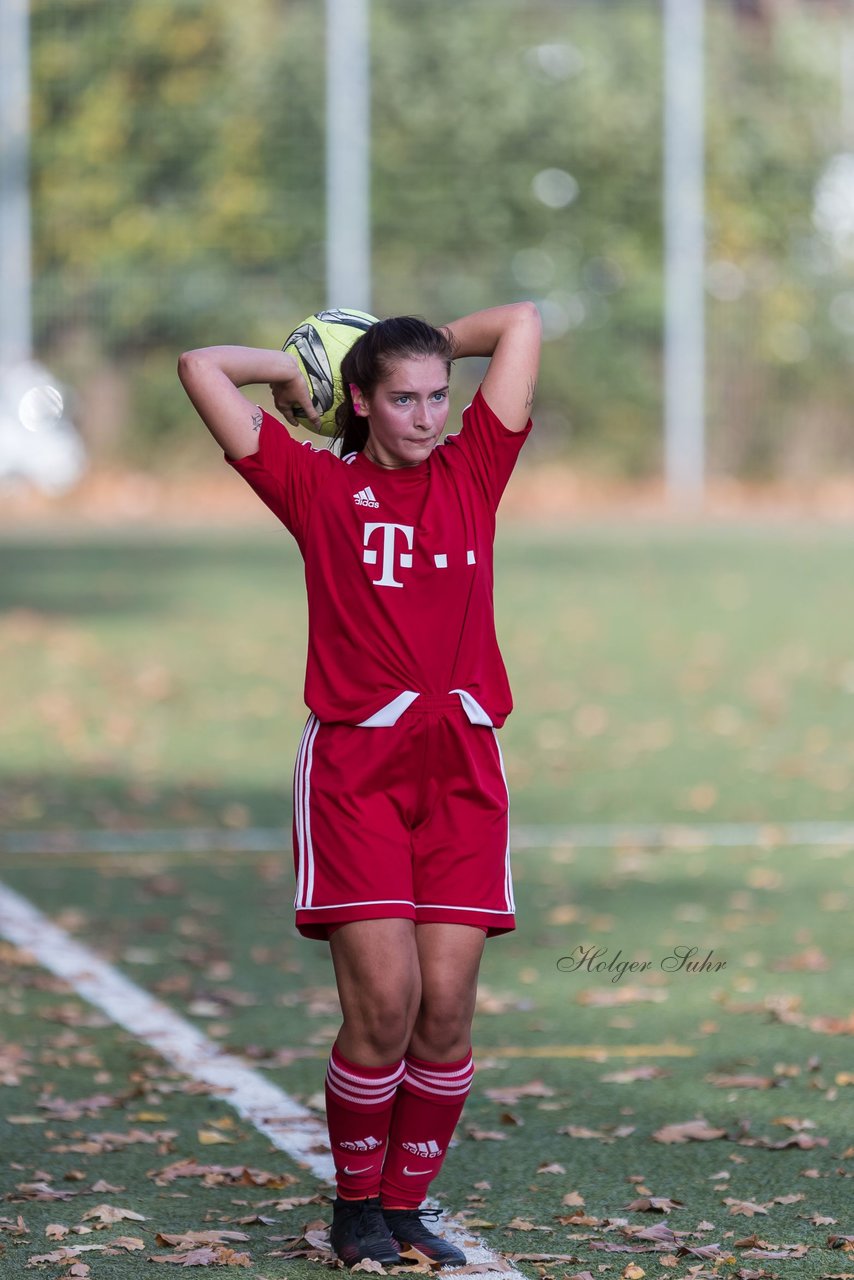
(392, 711)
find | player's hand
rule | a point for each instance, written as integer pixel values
(292, 393)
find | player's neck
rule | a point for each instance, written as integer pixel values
(391, 466)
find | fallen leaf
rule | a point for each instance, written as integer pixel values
(185, 1239)
(512, 1093)
(573, 1198)
(661, 1204)
(688, 1131)
(628, 1075)
(208, 1137)
(109, 1213)
(747, 1207)
(604, 997)
(536, 1257)
(742, 1081)
(579, 1131)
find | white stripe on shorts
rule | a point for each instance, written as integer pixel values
(302, 787)
(508, 877)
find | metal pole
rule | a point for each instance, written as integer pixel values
(684, 325)
(348, 131)
(15, 304)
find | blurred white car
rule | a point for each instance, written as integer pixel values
(39, 444)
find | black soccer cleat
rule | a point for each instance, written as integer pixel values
(408, 1230)
(359, 1231)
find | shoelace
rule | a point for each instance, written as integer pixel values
(435, 1214)
(370, 1218)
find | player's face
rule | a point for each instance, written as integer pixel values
(408, 411)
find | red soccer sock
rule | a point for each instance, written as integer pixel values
(359, 1105)
(428, 1105)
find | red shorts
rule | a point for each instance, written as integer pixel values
(410, 820)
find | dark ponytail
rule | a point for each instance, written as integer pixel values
(370, 360)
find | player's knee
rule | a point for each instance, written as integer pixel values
(444, 1027)
(384, 1026)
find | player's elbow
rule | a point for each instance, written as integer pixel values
(528, 314)
(190, 365)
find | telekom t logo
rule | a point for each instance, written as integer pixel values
(389, 536)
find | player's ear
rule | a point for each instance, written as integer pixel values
(358, 401)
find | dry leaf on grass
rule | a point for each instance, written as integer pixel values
(782, 1251)
(805, 1141)
(110, 1213)
(185, 1239)
(603, 997)
(510, 1117)
(628, 1075)
(216, 1174)
(131, 1243)
(660, 1204)
(512, 1093)
(217, 1255)
(722, 1081)
(698, 1130)
(535, 1257)
(573, 1198)
(746, 1207)
(39, 1191)
(703, 1251)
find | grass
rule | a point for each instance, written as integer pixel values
(681, 675)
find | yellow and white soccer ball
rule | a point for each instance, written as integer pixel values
(319, 345)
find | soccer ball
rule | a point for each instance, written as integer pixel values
(319, 345)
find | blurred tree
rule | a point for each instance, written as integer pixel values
(178, 184)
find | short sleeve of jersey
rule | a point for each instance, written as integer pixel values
(285, 473)
(489, 447)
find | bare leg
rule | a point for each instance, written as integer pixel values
(449, 960)
(379, 985)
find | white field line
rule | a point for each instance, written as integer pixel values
(649, 836)
(287, 1125)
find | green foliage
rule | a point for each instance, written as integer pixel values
(178, 177)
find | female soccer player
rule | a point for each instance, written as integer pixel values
(401, 812)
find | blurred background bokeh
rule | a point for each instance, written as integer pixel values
(516, 150)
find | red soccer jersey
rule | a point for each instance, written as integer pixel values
(398, 568)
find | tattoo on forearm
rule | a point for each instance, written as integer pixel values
(257, 419)
(532, 391)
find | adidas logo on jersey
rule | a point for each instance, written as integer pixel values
(361, 1144)
(426, 1150)
(365, 498)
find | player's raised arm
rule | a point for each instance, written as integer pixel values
(512, 336)
(211, 377)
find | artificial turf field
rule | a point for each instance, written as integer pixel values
(688, 676)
